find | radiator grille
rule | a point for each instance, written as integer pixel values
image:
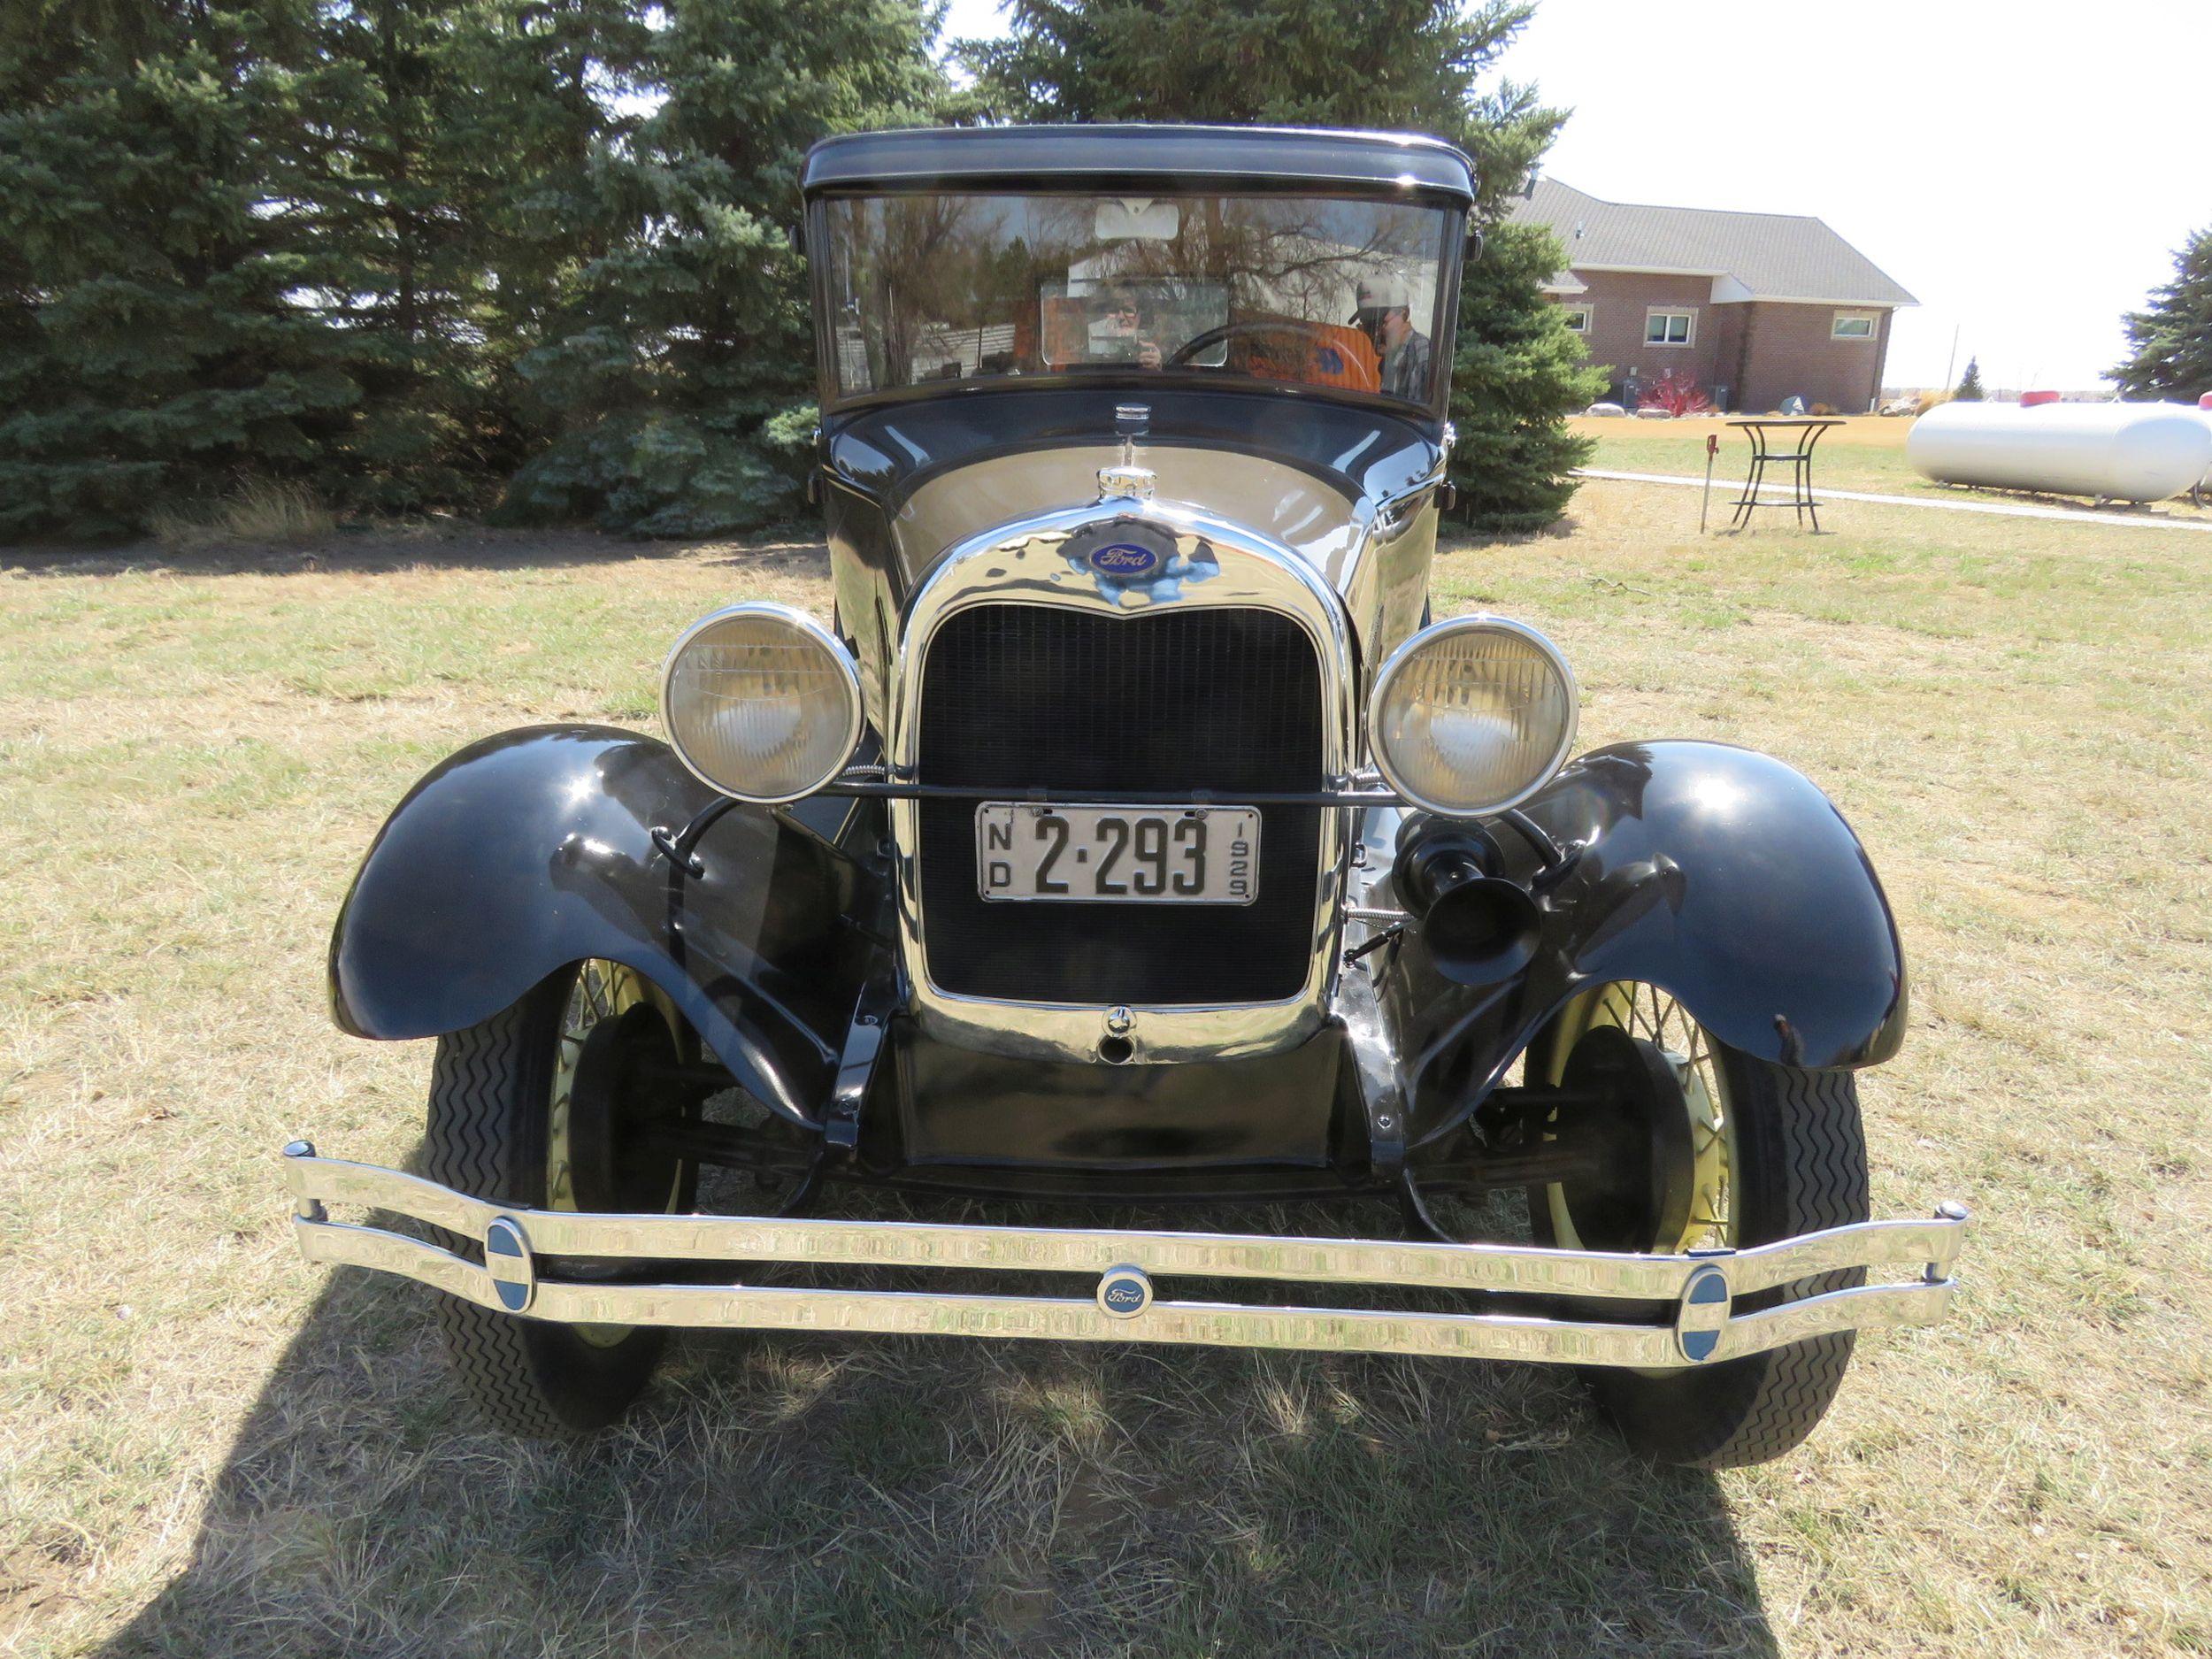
(1021, 696)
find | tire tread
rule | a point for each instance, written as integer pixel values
(523, 1378)
(1823, 1184)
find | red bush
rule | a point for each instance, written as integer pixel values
(1677, 395)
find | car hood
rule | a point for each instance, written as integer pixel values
(1342, 488)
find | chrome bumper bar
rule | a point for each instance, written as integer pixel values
(1700, 1289)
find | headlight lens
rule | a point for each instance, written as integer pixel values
(1473, 715)
(762, 702)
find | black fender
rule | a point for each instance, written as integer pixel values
(534, 848)
(1719, 874)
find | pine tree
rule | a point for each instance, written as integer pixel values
(679, 369)
(422, 127)
(1970, 387)
(2173, 339)
(150, 353)
(1516, 369)
(1404, 64)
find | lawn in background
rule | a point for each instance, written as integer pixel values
(1866, 452)
(209, 1448)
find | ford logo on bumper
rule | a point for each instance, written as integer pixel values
(1125, 1291)
(1124, 559)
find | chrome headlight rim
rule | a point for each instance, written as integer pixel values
(833, 647)
(1409, 648)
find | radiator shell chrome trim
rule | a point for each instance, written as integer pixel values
(1928, 1247)
(1020, 563)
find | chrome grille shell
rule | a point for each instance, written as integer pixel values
(1027, 563)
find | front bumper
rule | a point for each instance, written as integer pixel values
(1700, 1289)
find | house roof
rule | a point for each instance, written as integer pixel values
(1769, 256)
(1036, 158)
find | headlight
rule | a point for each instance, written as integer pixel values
(762, 702)
(1472, 716)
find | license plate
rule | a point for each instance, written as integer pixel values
(1118, 855)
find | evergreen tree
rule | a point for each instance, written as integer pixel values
(1970, 387)
(679, 370)
(1402, 64)
(2173, 339)
(390, 213)
(423, 128)
(150, 350)
(1518, 369)
(563, 82)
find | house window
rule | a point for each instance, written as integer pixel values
(1852, 326)
(1670, 329)
(1578, 318)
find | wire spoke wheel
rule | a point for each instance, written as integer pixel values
(1698, 1145)
(1698, 1214)
(600, 1003)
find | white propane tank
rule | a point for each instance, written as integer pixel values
(2116, 451)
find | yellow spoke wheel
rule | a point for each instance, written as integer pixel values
(1623, 1024)
(1697, 1145)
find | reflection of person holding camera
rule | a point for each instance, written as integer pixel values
(1125, 324)
(1385, 314)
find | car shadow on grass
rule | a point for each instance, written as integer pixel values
(877, 1497)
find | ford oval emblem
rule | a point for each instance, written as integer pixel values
(507, 1259)
(1702, 1318)
(1123, 560)
(1125, 1291)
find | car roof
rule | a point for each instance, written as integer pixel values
(1099, 154)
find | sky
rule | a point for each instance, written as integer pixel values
(2026, 169)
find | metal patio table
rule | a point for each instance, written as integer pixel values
(1764, 433)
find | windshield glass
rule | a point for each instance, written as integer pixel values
(1316, 291)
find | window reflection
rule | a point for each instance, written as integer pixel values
(954, 287)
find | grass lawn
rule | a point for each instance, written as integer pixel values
(1866, 453)
(209, 1448)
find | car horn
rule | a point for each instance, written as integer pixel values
(1480, 928)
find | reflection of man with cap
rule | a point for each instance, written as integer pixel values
(1386, 313)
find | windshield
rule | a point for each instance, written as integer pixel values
(1316, 291)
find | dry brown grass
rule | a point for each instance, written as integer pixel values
(1866, 452)
(211, 1448)
(1856, 432)
(259, 514)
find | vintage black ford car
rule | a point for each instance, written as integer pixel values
(1127, 834)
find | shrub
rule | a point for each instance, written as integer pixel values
(1676, 393)
(1929, 400)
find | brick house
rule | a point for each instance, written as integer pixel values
(1754, 307)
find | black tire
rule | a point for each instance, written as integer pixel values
(1799, 1166)
(489, 1092)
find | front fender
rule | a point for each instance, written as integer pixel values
(1728, 879)
(1718, 874)
(534, 848)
